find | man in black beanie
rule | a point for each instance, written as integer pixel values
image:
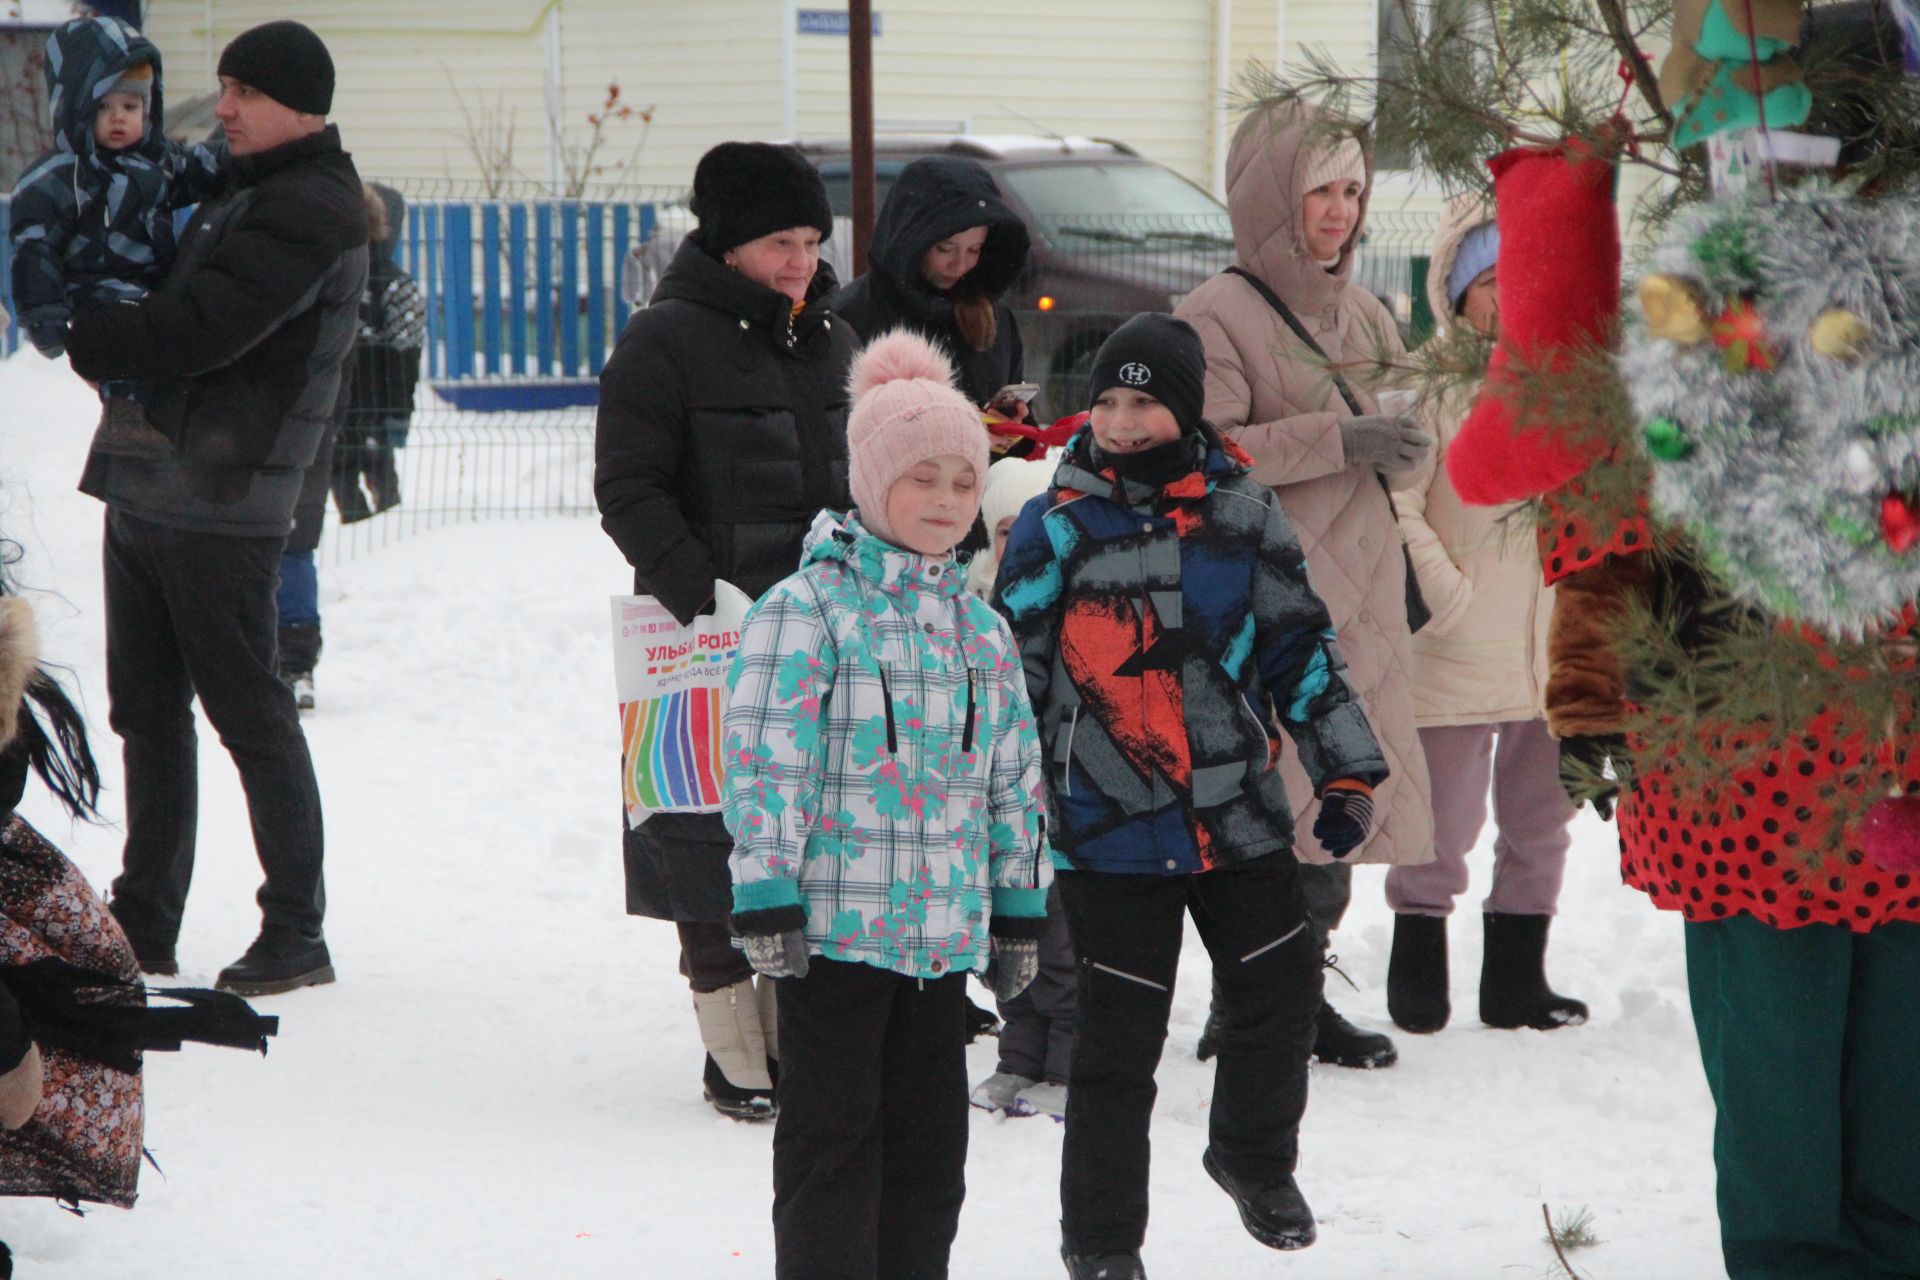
(240, 352)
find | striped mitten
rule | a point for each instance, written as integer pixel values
(1346, 814)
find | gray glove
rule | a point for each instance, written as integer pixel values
(1011, 966)
(1386, 442)
(777, 955)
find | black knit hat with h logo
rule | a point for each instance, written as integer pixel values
(1157, 354)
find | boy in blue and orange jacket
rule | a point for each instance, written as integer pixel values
(1161, 604)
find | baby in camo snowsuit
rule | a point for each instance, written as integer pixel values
(883, 793)
(92, 219)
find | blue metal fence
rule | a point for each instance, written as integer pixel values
(524, 297)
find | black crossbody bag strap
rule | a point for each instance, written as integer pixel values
(1417, 612)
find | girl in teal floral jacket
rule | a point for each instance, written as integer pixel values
(884, 797)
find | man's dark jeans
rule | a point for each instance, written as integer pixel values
(188, 613)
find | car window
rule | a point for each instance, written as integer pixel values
(838, 177)
(1096, 208)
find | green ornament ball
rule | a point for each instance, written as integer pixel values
(1666, 441)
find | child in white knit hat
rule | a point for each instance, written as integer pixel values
(1036, 1033)
(884, 797)
(1011, 484)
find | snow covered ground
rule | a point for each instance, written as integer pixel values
(504, 1083)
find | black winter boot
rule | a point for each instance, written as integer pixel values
(1275, 1214)
(299, 654)
(1513, 977)
(152, 954)
(1417, 996)
(730, 1100)
(980, 1022)
(1107, 1266)
(1339, 1043)
(382, 478)
(277, 962)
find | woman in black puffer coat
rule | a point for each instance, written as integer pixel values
(722, 431)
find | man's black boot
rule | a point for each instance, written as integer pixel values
(278, 962)
(151, 954)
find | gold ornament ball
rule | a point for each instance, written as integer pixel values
(1839, 335)
(1673, 310)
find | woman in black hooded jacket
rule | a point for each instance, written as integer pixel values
(920, 276)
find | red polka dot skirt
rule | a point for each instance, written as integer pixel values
(1776, 839)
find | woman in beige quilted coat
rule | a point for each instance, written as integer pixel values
(1297, 188)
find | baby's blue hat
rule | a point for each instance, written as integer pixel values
(1479, 249)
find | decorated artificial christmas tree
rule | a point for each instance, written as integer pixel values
(1750, 668)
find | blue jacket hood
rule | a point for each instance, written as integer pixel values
(85, 59)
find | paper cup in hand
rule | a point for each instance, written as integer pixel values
(1400, 402)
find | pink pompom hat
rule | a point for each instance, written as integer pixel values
(905, 410)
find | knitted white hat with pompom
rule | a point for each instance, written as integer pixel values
(905, 410)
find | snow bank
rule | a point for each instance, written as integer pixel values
(505, 1081)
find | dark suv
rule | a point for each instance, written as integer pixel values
(1113, 234)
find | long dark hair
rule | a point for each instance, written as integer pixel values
(973, 316)
(51, 732)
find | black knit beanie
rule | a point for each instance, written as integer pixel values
(285, 61)
(745, 190)
(1157, 354)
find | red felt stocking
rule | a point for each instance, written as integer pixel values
(1559, 292)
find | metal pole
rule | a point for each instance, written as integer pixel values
(1222, 89)
(790, 69)
(860, 93)
(556, 129)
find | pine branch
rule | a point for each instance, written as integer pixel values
(1553, 1238)
(1620, 31)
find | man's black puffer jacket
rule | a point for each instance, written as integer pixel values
(242, 347)
(722, 431)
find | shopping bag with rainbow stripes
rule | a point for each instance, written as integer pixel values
(672, 682)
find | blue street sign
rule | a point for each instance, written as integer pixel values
(829, 22)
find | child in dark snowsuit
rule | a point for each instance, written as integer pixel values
(1036, 1026)
(92, 219)
(386, 369)
(1161, 604)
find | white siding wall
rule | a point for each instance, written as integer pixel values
(396, 66)
(1134, 70)
(711, 70)
(1142, 71)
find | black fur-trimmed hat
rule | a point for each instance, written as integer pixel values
(745, 190)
